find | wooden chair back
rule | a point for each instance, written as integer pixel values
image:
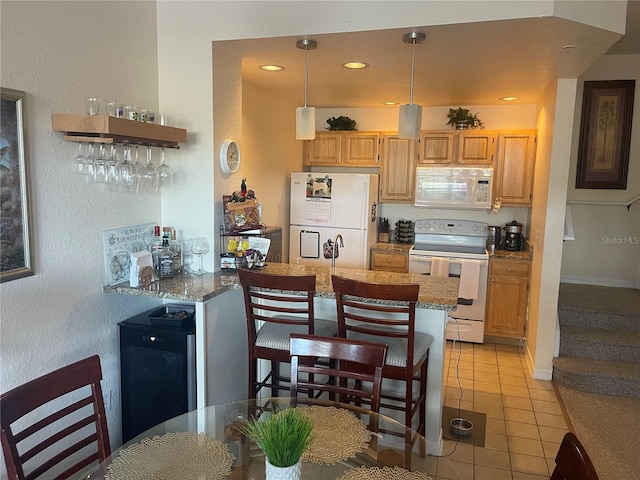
(75, 433)
(395, 318)
(354, 368)
(275, 306)
(572, 461)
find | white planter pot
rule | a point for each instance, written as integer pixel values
(283, 473)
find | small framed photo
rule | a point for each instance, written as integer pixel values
(16, 259)
(605, 134)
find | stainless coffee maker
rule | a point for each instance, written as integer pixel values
(494, 238)
(513, 236)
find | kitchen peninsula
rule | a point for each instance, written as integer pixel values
(221, 345)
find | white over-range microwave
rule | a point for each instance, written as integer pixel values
(454, 187)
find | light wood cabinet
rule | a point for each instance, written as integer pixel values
(347, 149)
(507, 298)
(436, 148)
(465, 148)
(398, 169)
(515, 161)
(388, 261)
(475, 148)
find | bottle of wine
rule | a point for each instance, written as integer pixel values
(155, 247)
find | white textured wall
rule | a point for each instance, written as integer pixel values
(59, 52)
(606, 250)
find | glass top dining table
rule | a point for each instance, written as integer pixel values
(350, 443)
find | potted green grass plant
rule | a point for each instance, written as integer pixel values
(283, 437)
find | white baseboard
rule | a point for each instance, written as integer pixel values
(537, 373)
(603, 282)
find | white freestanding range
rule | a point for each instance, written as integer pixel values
(456, 248)
(325, 205)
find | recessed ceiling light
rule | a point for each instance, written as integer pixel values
(355, 65)
(271, 68)
(509, 99)
(390, 103)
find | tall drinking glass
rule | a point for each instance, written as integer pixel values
(199, 248)
(81, 161)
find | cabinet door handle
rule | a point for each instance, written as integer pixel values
(493, 279)
(508, 269)
(388, 260)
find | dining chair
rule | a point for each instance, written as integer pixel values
(64, 428)
(276, 306)
(572, 461)
(354, 368)
(386, 313)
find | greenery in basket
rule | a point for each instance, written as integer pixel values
(341, 123)
(283, 437)
(463, 115)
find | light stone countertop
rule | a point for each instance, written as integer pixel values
(392, 247)
(436, 293)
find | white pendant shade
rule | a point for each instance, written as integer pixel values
(409, 121)
(305, 123)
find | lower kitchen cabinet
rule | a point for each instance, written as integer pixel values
(389, 261)
(507, 298)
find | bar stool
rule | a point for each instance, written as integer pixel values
(386, 313)
(276, 306)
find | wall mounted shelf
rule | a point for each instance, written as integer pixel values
(106, 129)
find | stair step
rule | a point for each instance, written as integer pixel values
(598, 376)
(599, 307)
(600, 344)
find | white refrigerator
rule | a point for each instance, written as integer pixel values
(324, 205)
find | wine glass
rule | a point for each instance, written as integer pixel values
(112, 166)
(126, 171)
(149, 176)
(81, 161)
(137, 170)
(100, 166)
(200, 247)
(91, 162)
(165, 174)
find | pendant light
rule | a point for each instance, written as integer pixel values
(410, 119)
(306, 116)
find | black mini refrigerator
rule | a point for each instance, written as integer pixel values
(157, 367)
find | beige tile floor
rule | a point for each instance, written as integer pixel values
(525, 423)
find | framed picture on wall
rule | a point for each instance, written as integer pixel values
(605, 134)
(15, 240)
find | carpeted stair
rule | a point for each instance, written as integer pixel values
(599, 339)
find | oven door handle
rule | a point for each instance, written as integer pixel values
(421, 258)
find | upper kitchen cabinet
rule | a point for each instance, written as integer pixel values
(346, 149)
(436, 148)
(469, 148)
(475, 148)
(515, 161)
(398, 170)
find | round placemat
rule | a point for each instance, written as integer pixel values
(384, 473)
(338, 434)
(172, 456)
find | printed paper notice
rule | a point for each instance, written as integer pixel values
(317, 210)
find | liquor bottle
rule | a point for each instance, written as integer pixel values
(155, 247)
(165, 259)
(176, 248)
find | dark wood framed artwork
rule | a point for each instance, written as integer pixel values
(605, 134)
(15, 240)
